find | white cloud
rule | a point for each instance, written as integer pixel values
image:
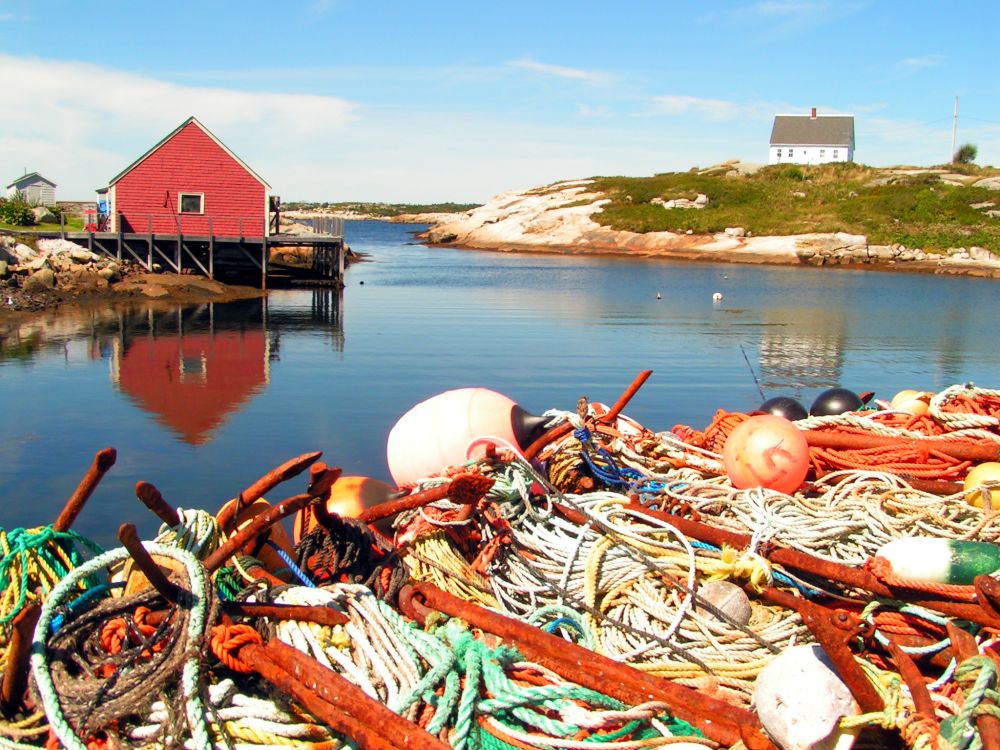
(715, 109)
(110, 117)
(591, 110)
(576, 74)
(927, 61)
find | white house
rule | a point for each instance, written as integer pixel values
(35, 189)
(811, 139)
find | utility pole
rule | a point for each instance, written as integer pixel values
(954, 131)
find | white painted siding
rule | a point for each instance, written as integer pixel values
(808, 154)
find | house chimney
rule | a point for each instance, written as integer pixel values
(812, 115)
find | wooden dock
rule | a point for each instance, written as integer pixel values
(232, 256)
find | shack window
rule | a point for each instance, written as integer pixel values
(191, 203)
(779, 153)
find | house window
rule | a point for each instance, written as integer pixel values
(190, 203)
(789, 153)
(779, 153)
(836, 153)
(822, 153)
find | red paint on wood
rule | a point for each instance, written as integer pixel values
(191, 161)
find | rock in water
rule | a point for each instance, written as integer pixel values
(800, 701)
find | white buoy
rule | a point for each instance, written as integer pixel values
(954, 561)
(658, 296)
(717, 297)
(800, 701)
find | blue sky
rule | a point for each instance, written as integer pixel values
(434, 101)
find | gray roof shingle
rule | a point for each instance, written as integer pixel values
(803, 130)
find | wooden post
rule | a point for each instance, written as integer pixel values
(340, 260)
(149, 242)
(62, 225)
(211, 250)
(263, 263)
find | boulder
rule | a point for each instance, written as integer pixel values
(154, 291)
(981, 254)
(43, 215)
(990, 183)
(110, 272)
(37, 264)
(984, 204)
(800, 701)
(83, 255)
(44, 278)
(880, 252)
(736, 231)
(25, 253)
(3, 269)
(701, 201)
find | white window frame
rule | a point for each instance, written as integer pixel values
(836, 153)
(201, 202)
(790, 153)
(779, 153)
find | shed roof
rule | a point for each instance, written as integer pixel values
(174, 132)
(822, 130)
(31, 177)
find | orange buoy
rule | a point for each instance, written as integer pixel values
(348, 497)
(766, 451)
(916, 403)
(436, 433)
(271, 559)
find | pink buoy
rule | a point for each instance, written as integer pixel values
(437, 433)
(766, 451)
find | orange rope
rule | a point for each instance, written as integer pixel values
(882, 569)
(226, 642)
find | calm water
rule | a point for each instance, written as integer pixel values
(201, 400)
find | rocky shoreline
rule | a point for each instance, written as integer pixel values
(558, 219)
(56, 272)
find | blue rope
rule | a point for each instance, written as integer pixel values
(80, 601)
(296, 570)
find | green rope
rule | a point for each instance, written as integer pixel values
(976, 675)
(41, 554)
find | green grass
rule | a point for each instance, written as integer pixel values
(73, 224)
(382, 209)
(915, 210)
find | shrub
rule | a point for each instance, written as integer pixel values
(792, 172)
(966, 154)
(16, 212)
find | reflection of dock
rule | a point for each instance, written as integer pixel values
(804, 351)
(193, 367)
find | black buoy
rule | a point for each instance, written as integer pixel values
(835, 401)
(784, 406)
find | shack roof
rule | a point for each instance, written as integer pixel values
(174, 132)
(31, 177)
(805, 130)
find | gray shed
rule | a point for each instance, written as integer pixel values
(36, 190)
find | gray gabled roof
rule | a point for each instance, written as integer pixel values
(822, 130)
(26, 177)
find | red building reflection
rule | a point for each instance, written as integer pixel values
(192, 382)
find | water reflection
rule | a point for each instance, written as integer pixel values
(189, 366)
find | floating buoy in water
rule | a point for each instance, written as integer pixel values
(784, 406)
(835, 401)
(988, 471)
(717, 297)
(800, 701)
(348, 497)
(766, 451)
(436, 433)
(956, 561)
(658, 296)
(912, 402)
